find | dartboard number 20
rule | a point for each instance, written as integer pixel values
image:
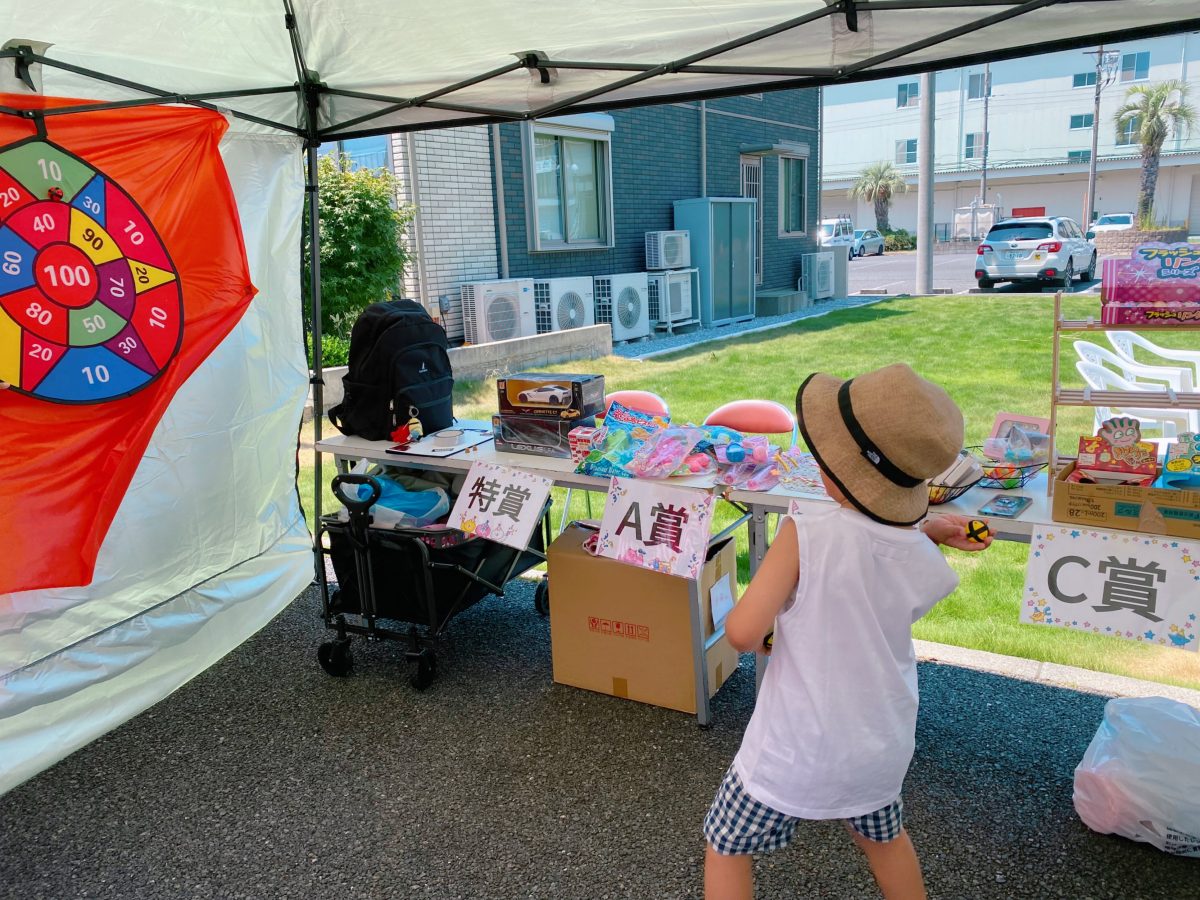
(90, 302)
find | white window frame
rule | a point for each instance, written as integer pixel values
(1134, 76)
(602, 136)
(781, 222)
(916, 151)
(1086, 83)
(974, 150)
(985, 79)
(1079, 155)
(1134, 125)
(912, 89)
(1088, 127)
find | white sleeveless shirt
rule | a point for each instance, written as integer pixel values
(834, 726)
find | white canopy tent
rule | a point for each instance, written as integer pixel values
(176, 587)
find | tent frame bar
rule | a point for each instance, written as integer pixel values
(25, 56)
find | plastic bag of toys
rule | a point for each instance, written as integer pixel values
(1140, 776)
(664, 452)
(1019, 446)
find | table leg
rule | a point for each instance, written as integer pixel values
(757, 533)
(699, 656)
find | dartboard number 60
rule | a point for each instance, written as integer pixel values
(90, 302)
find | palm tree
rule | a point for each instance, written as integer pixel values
(1154, 112)
(876, 184)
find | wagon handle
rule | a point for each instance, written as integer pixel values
(354, 504)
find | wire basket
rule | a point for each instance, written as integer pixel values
(1004, 476)
(944, 493)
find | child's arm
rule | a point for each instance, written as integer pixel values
(754, 615)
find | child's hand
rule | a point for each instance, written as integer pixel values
(951, 530)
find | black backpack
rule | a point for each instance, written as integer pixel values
(398, 361)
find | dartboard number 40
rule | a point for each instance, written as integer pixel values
(90, 302)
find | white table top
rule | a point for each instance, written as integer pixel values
(562, 471)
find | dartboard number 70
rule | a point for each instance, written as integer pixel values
(90, 302)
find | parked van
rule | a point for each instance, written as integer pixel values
(837, 232)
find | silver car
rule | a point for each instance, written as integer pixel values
(1042, 250)
(866, 241)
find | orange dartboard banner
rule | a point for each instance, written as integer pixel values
(122, 266)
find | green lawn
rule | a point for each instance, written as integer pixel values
(991, 353)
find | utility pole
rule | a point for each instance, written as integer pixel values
(925, 186)
(987, 96)
(1106, 73)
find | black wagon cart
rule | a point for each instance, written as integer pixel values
(419, 577)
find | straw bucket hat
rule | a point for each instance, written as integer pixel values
(880, 437)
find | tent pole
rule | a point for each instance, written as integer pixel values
(317, 380)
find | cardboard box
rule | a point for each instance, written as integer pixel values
(625, 631)
(551, 396)
(536, 436)
(1151, 510)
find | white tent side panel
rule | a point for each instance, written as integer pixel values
(209, 543)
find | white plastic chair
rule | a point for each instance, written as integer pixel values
(1170, 422)
(1175, 377)
(1124, 342)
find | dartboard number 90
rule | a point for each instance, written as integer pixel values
(90, 303)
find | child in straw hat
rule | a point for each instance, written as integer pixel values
(834, 726)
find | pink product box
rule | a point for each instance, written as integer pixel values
(1160, 277)
(583, 439)
(1149, 314)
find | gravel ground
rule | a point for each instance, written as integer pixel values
(266, 778)
(668, 342)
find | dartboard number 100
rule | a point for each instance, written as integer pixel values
(91, 308)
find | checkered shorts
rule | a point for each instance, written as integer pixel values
(738, 824)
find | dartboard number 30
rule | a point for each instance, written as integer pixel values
(90, 303)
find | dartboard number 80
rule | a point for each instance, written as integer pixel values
(90, 304)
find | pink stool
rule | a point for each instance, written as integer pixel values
(755, 417)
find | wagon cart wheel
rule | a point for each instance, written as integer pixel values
(541, 597)
(335, 657)
(426, 670)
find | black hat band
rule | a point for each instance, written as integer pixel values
(866, 446)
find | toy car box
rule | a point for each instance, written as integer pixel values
(535, 435)
(570, 397)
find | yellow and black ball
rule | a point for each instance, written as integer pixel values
(977, 531)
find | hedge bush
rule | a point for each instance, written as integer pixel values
(899, 239)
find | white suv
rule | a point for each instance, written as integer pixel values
(1051, 250)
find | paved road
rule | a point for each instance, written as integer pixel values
(896, 273)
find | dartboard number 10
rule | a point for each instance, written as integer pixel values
(91, 307)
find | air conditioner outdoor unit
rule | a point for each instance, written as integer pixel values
(669, 296)
(561, 304)
(668, 249)
(497, 310)
(816, 279)
(622, 303)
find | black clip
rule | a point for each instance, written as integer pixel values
(851, 15)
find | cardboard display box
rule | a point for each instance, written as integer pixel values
(552, 396)
(625, 631)
(1151, 510)
(537, 436)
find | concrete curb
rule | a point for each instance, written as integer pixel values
(1053, 674)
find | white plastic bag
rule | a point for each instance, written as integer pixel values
(1140, 776)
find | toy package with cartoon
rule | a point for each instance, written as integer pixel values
(1181, 470)
(625, 431)
(1117, 455)
(1159, 284)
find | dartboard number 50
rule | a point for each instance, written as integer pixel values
(90, 303)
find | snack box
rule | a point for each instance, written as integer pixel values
(1153, 510)
(570, 397)
(536, 435)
